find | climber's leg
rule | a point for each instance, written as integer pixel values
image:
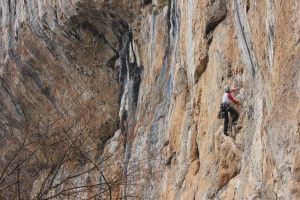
(234, 115)
(226, 121)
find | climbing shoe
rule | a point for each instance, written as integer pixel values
(233, 123)
(226, 133)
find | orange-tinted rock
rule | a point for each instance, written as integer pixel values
(139, 83)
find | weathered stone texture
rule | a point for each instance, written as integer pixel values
(148, 76)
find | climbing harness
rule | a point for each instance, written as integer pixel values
(223, 107)
(221, 114)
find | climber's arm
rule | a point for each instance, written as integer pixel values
(234, 100)
(233, 89)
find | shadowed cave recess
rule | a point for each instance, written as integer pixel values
(65, 66)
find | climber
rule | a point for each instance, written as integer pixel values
(225, 108)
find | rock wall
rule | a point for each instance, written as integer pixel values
(132, 89)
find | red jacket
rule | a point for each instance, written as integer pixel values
(228, 96)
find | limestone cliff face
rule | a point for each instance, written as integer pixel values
(121, 98)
